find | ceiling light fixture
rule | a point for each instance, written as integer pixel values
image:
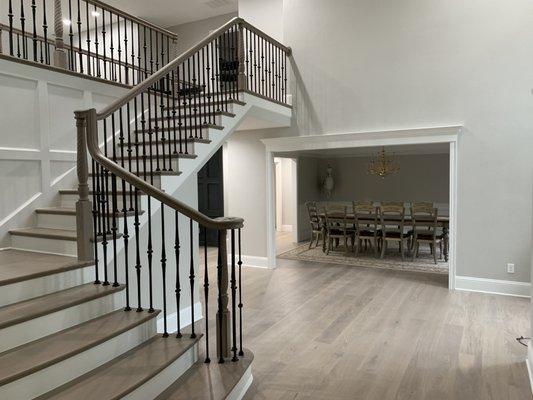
(67, 22)
(95, 14)
(382, 165)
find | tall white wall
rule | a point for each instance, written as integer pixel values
(38, 137)
(266, 15)
(366, 65)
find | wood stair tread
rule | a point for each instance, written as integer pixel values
(72, 211)
(50, 233)
(183, 127)
(20, 265)
(208, 381)
(39, 354)
(34, 308)
(198, 114)
(124, 374)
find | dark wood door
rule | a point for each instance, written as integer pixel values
(211, 194)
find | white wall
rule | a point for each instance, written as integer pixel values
(192, 32)
(38, 137)
(363, 65)
(266, 15)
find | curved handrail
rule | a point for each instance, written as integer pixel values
(145, 187)
(141, 87)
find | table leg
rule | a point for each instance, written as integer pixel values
(445, 239)
(324, 239)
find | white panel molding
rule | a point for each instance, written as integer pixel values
(493, 286)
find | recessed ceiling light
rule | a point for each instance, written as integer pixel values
(67, 22)
(95, 14)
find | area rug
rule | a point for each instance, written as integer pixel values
(392, 260)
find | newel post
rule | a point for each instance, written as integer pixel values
(85, 121)
(223, 316)
(60, 56)
(241, 77)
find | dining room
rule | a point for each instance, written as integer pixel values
(381, 207)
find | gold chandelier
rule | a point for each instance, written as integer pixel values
(382, 165)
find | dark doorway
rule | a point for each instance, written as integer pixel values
(211, 194)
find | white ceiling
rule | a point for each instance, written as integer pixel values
(410, 149)
(166, 13)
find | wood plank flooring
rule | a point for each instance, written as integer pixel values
(325, 331)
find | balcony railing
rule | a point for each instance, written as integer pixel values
(88, 37)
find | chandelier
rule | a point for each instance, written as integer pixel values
(382, 165)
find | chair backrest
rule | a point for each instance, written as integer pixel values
(391, 218)
(392, 203)
(312, 211)
(336, 218)
(421, 206)
(365, 216)
(357, 203)
(425, 220)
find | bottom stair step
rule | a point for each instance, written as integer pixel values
(141, 373)
(213, 381)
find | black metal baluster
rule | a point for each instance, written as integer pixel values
(157, 51)
(124, 208)
(114, 229)
(96, 43)
(203, 95)
(10, 16)
(285, 78)
(41, 50)
(256, 72)
(206, 298)
(216, 66)
(145, 49)
(80, 52)
(88, 39)
(105, 208)
(136, 223)
(150, 248)
(212, 95)
(239, 263)
(119, 51)
(156, 129)
(164, 270)
(34, 25)
(233, 284)
(133, 56)
(177, 131)
(193, 91)
(198, 95)
(248, 51)
(45, 32)
(171, 123)
(188, 94)
(234, 70)
(71, 55)
(178, 283)
(112, 66)
(104, 53)
(208, 82)
(151, 53)
(161, 120)
(191, 276)
(126, 67)
(96, 225)
(184, 106)
(22, 25)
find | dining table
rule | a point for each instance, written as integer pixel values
(443, 221)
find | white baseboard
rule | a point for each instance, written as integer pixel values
(493, 286)
(529, 363)
(185, 318)
(251, 261)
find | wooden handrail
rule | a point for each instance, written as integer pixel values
(141, 87)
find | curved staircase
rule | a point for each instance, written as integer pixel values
(86, 295)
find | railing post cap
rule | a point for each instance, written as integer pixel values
(230, 222)
(84, 113)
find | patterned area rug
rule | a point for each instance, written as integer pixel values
(392, 259)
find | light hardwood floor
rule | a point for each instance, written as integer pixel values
(325, 331)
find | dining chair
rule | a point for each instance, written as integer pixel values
(337, 228)
(392, 221)
(420, 206)
(317, 230)
(366, 226)
(425, 230)
(362, 203)
(392, 203)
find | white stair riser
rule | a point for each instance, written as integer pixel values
(69, 200)
(60, 221)
(55, 246)
(56, 221)
(45, 325)
(58, 374)
(31, 288)
(174, 162)
(156, 385)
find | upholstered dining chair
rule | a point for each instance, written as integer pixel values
(317, 230)
(337, 228)
(421, 207)
(425, 230)
(366, 226)
(392, 221)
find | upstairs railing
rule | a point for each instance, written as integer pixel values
(141, 137)
(87, 37)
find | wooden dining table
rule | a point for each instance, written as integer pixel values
(443, 221)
